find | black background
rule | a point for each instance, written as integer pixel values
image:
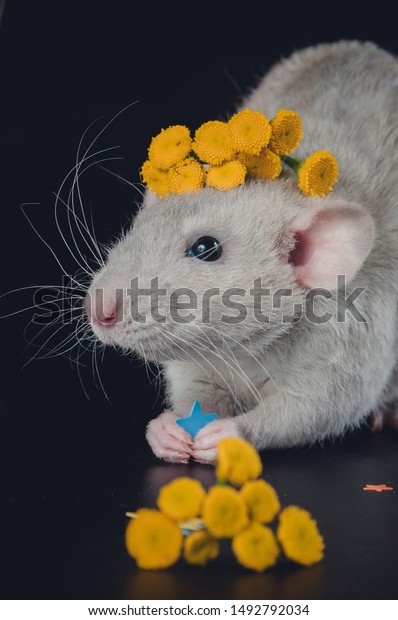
(71, 465)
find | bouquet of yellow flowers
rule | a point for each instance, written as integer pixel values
(241, 507)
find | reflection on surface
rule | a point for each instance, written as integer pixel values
(304, 582)
(225, 580)
(287, 582)
(149, 585)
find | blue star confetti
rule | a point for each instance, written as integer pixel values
(196, 420)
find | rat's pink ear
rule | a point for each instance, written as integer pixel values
(330, 240)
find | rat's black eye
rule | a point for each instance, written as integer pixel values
(205, 248)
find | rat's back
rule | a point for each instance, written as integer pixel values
(347, 96)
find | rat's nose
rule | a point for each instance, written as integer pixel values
(100, 311)
(107, 319)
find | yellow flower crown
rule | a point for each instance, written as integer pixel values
(223, 155)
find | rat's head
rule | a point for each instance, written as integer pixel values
(214, 270)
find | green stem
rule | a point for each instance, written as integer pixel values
(294, 164)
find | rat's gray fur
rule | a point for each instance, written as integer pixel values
(277, 384)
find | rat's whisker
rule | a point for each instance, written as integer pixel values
(225, 335)
(40, 305)
(224, 364)
(65, 273)
(54, 318)
(72, 337)
(198, 339)
(206, 361)
(98, 372)
(43, 346)
(61, 351)
(171, 338)
(98, 245)
(83, 225)
(158, 378)
(235, 367)
(37, 286)
(78, 369)
(129, 105)
(80, 226)
(123, 180)
(252, 356)
(76, 183)
(46, 304)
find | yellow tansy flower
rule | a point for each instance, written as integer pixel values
(224, 512)
(182, 498)
(237, 461)
(250, 131)
(187, 176)
(226, 176)
(153, 540)
(299, 536)
(200, 547)
(261, 499)
(213, 143)
(286, 132)
(256, 547)
(267, 165)
(169, 147)
(318, 173)
(155, 179)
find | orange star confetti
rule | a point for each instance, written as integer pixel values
(377, 487)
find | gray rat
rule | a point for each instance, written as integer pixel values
(295, 378)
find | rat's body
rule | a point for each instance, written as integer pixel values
(279, 383)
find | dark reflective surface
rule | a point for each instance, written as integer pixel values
(71, 474)
(70, 467)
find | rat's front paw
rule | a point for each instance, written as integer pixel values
(168, 440)
(205, 445)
